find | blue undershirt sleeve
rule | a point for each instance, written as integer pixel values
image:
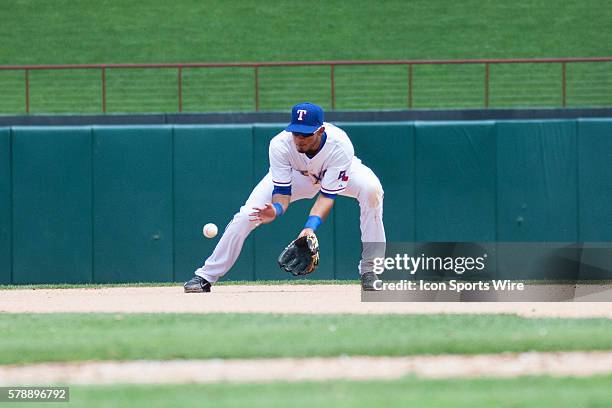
(282, 190)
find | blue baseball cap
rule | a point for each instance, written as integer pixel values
(305, 118)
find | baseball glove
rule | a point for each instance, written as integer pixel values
(301, 256)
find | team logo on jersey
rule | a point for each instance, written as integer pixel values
(316, 179)
(320, 176)
(343, 176)
(301, 113)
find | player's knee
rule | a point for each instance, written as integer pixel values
(372, 195)
(242, 216)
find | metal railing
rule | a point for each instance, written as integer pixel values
(256, 67)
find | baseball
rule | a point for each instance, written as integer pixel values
(210, 230)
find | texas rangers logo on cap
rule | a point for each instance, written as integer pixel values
(305, 118)
(301, 113)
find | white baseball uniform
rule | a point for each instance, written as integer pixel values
(333, 170)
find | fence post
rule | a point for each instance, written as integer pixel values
(256, 88)
(180, 89)
(409, 86)
(486, 86)
(103, 89)
(563, 85)
(27, 90)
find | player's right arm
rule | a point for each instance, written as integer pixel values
(281, 172)
(269, 212)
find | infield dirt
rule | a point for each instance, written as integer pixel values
(359, 368)
(304, 299)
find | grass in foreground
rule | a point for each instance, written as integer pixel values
(77, 337)
(521, 392)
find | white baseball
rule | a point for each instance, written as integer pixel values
(210, 230)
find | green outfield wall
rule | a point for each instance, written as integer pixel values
(127, 203)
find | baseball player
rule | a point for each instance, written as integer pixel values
(309, 157)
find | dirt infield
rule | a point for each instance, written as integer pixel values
(507, 365)
(307, 299)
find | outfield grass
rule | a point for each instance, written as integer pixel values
(76, 337)
(592, 392)
(115, 31)
(155, 31)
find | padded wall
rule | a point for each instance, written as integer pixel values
(595, 195)
(213, 176)
(5, 206)
(455, 181)
(127, 203)
(52, 205)
(132, 196)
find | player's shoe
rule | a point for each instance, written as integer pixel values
(367, 281)
(197, 284)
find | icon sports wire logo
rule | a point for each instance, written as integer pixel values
(405, 262)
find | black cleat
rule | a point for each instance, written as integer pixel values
(197, 284)
(367, 281)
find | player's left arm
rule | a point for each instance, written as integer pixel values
(320, 210)
(333, 183)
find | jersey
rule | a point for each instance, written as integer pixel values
(329, 167)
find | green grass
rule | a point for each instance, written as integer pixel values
(75, 337)
(150, 31)
(592, 392)
(115, 31)
(161, 284)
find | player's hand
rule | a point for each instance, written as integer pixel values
(306, 231)
(263, 215)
